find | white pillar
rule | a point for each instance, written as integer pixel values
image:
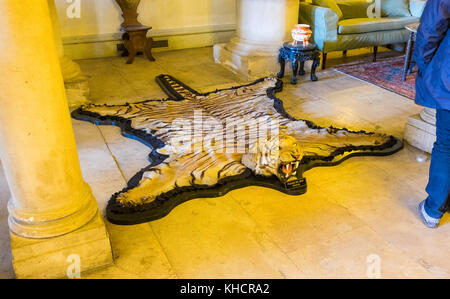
(76, 84)
(420, 130)
(48, 195)
(262, 27)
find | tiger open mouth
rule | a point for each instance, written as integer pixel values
(287, 173)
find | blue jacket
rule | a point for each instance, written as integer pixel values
(432, 54)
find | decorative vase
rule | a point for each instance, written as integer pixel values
(301, 33)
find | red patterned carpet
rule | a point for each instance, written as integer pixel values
(385, 73)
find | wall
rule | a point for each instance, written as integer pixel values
(184, 23)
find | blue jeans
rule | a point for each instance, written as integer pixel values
(438, 188)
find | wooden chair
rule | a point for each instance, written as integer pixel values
(135, 34)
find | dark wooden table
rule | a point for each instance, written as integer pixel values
(298, 54)
(412, 28)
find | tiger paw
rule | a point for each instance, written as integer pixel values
(142, 194)
(131, 199)
(149, 188)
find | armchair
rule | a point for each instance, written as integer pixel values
(355, 30)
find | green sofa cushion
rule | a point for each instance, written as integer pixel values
(395, 8)
(365, 25)
(331, 4)
(353, 8)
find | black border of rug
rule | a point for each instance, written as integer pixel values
(165, 203)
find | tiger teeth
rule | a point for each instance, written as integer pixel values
(287, 168)
(290, 168)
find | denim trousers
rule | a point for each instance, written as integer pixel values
(438, 187)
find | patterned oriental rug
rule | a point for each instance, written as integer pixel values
(385, 73)
(206, 144)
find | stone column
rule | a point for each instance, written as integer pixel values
(262, 27)
(420, 131)
(48, 195)
(76, 84)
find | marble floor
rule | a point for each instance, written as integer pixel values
(353, 216)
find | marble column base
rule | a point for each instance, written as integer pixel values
(251, 66)
(77, 93)
(420, 131)
(76, 84)
(53, 257)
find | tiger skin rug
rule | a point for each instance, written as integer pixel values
(190, 158)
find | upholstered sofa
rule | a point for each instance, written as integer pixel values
(353, 29)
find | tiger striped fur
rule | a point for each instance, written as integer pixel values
(204, 160)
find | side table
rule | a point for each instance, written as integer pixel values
(135, 40)
(298, 54)
(412, 28)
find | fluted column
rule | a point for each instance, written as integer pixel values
(262, 27)
(420, 130)
(428, 115)
(76, 84)
(37, 146)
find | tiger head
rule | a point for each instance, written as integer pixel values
(279, 156)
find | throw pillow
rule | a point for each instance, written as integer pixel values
(352, 9)
(395, 8)
(331, 4)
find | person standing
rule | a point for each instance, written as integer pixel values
(432, 55)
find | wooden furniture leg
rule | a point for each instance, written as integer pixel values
(315, 64)
(282, 62)
(375, 51)
(324, 60)
(294, 71)
(344, 53)
(148, 49)
(132, 52)
(301, 71)
(408, 54)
